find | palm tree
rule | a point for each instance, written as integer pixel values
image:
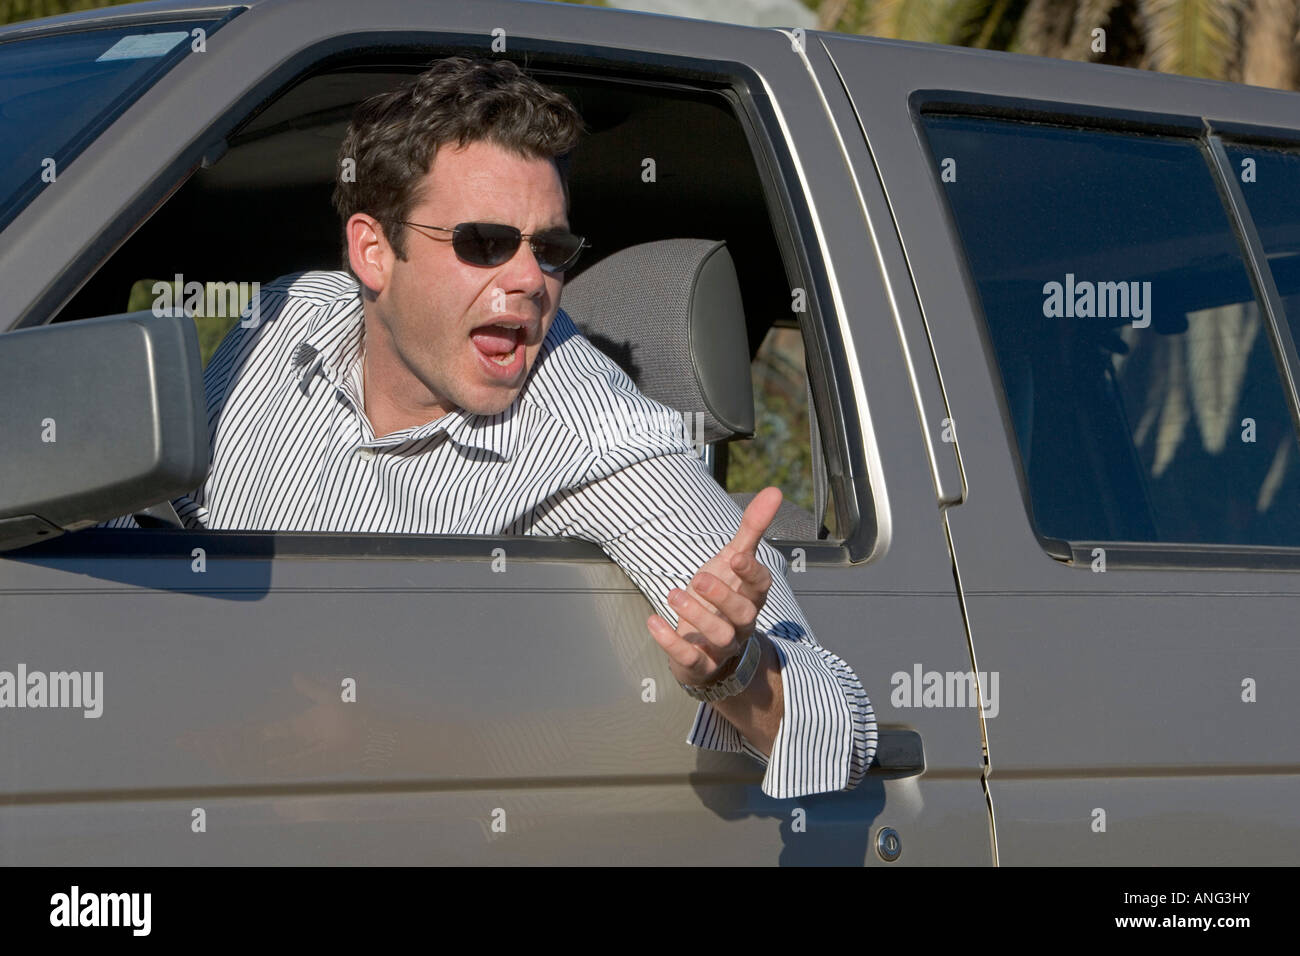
(1246, 41)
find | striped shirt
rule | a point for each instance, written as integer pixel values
(580, 452)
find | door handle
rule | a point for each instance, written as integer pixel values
(898, 751)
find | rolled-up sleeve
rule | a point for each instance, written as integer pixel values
(663, 516)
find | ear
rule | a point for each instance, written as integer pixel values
(369, 253)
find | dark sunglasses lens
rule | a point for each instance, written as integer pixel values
(485, 243)
(557, 251)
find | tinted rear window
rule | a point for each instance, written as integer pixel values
(1139, 372)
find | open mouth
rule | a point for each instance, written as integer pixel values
(500, 347)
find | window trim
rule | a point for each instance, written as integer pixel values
(1196, 131)
(788, 212)
(1274, 308)
(1274, 136)
(179, 543)
(1268, 290)
(1053, 113)
(104, 18)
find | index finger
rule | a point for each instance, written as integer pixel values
(756, 519)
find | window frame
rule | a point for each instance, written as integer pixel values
(1207, 137)
(788, 212)
(1235, 198)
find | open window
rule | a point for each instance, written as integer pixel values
(660, 162)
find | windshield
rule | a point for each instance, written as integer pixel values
(57, 93)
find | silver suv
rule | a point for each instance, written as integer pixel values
(1021, 336)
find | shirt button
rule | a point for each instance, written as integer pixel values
(365, 454)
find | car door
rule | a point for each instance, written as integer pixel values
(292, 698)
(1126, 544)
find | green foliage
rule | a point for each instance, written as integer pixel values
(212, 328)
(1192, 37)
(929, 22)
(779, 453)
(1215, 39)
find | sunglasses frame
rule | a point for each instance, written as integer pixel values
(518, 238)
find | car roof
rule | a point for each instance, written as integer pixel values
(152, 10)
(175, 9)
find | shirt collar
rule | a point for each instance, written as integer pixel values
(332, 348)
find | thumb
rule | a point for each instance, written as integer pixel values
(756, 519)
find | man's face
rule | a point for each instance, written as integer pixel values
(437, 346)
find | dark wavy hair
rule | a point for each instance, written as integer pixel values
(394, 136)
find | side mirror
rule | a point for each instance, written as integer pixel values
(102, 418)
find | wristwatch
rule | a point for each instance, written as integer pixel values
(737, 680)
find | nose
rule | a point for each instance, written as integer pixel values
(523, 273)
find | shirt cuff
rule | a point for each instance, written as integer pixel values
(827, 736)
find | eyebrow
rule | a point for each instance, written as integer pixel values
(553, 225)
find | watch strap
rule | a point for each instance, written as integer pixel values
(737, 680)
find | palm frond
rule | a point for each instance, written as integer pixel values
(830, 13)
(1191, 37)
(926, 20)
(1046, 27)
(984, 24)
(1268, 45)
(1091, 15)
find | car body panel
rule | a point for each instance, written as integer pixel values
(476, 691)
(1121, 691)
(503, 717)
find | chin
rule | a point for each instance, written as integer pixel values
(492, 404)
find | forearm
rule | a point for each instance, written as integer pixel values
(757, 711)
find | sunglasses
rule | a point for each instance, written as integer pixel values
(491, 244)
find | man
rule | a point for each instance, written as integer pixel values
(435, 387)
